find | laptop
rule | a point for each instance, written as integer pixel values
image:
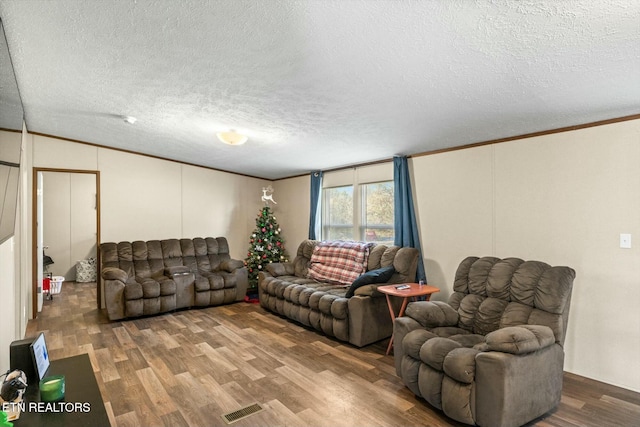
(40, 356)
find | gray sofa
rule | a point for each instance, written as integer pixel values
(493, 355)
(287, 289)
(146, 278)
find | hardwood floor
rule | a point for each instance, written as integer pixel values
(191, 367)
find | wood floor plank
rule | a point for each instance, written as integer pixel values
(70, 344)
(120, 402)
(621, 404)
(175, 323)
(148, 415)
(218, 394)
(233, 337)
(110, 414)
(88, 350)
(174, 419)
(217, 360)
(130, 419)
(191, 325)
(191, 403)
(107, 365)
(156, 392)
(353, 362)
(247, 368)
(54, 339)
(188, 385)
(136, 359)
(123, 337)
(131, 327)
(168, 340)
(190, 367)
(93, 328)
(382, 389)
(238, 393)
(160, 368)
(282, 414)
(312, 418)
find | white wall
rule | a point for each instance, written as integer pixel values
(140, 197)
(216, 203)
(7, 290)
(10, 143)
(453, 198)
(563, 199)
(14, 285)
(292, 211)
(144, 198)
(83, 219)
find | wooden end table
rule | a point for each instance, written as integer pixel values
(414, 291)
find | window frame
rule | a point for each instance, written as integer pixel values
(358, 223)
(326, 209)
(363, 226)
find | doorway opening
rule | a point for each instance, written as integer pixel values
(74, 196)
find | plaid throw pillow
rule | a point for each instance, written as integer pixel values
(338, 261)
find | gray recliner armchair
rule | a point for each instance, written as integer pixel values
(493, 355)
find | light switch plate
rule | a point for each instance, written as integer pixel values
(625, 241)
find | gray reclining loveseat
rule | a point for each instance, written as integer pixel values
(145, 278)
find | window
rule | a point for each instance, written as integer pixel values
(377, 213)
(337, 218)
(365, 214)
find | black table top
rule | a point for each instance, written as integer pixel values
(82, 405)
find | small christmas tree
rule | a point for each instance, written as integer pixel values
(267, 246)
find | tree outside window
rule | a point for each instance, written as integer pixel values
(370, 220)
(377, 212)
(337, 219)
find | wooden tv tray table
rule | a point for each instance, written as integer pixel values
(414, 291)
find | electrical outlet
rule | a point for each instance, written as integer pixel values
(625, 241)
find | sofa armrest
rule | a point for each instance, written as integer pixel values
(177, 270)
(401, 327)
(370, 290)
(432, 314)
(112, 273)
(497, 389)
(114, 284)
(519, 339)
(231, 265)
(280, 269)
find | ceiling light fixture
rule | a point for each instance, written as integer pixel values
(130, 119)
(232, 137)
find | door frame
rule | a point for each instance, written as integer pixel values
(34, 234)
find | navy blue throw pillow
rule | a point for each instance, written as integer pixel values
(380, 275)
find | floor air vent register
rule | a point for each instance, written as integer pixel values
(242, 413)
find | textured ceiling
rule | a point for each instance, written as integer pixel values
(318, 84)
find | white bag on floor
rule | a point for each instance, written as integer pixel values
(86, 270)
